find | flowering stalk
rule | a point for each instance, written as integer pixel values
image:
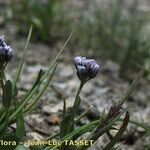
(86, 70)
(75, 107)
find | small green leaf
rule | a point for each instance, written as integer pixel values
(65, 125)
(7, 94)
(20, 126)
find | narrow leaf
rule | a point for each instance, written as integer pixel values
(17, 74)
(42, 90)
(7, 94)
(51, 65)
(50, 69)
(116, 138)
(34, 87)
(27, 97)
(64, 126)
(20, 126)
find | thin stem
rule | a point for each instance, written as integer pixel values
(2, 81)
(77, 99)
(75, 106)
(3, 75)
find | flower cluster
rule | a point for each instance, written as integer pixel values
(5, 52)
(86, 68)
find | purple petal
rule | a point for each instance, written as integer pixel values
(94, 71)
(81, 72)
(90, 63)
(86, 68)
(81, 69)
(78, 60)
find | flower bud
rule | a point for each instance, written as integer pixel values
(86, 68)
(5, 52)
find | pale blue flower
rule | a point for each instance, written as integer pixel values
(86, 68)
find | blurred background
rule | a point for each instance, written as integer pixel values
(114, 32)
(118, 30)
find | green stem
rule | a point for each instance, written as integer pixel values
(75, 107)
(4, 76)
(2, 80)
(77, 99)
